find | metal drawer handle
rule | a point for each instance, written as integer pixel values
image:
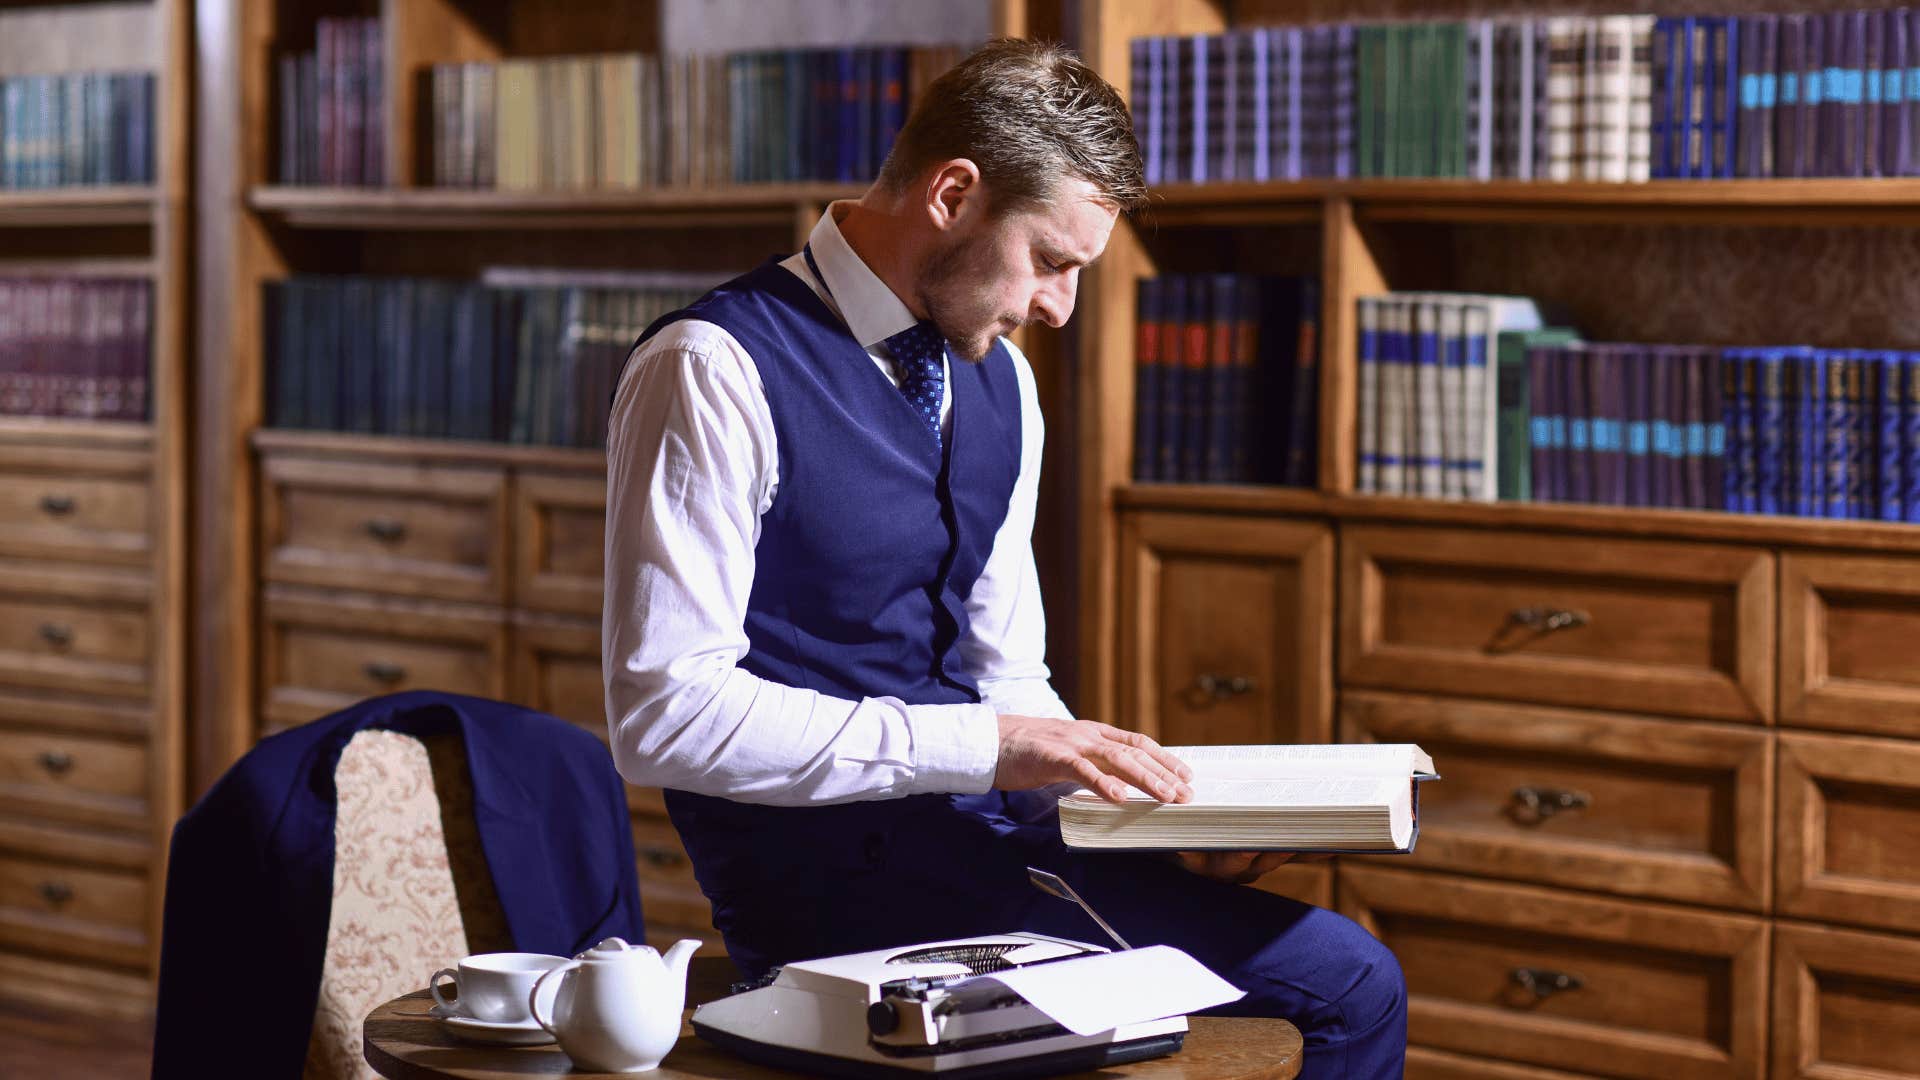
(1210, 687)
(56, 635)
(1543, 984)
(57, 505)
(56, 762)
(663, 858)
(56, 892)
(386, 530)
(382, 672)
(1537, 804)
(1546, 620)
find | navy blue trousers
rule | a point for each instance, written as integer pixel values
(791, 884)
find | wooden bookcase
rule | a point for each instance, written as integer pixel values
(92, 556)
(1693, 805)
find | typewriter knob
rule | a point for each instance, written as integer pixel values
(882, 1018)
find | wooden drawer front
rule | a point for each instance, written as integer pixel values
(49, 907)
(1228, 624)
(1424, 1063)
(74, 778)
(1850, 830)
(1635, 625)
(1846, 1005)
(560, 525)
(412, 530)
(556, 665)
(1847, 628)
(322, 655)
(1662, 991)
(668, 892)
(1589, 800)
(95, 646)
(76, 516)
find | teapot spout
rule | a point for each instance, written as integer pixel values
(679, 954)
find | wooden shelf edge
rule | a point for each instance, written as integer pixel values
(453, 208)
(104, 205)
(1544, 517)
(57, 431)
(391, 448)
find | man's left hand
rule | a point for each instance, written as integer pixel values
(1241, 867)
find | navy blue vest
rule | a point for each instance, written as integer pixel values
(868, 553)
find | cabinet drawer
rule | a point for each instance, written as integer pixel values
(1847, 628)
(1589, 800)
(1850, 830)
(1424, 1063)
(1651, 989)
(97, 645)
(74, 778)
(1228, 629)
(556, 669)
(668, 892)
(1845, 1005)
(427, 531)
(560, 525)
(74, 514)
(90, 914)
(324, 654)
(1635, 625)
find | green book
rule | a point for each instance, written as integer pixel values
(1514, 449)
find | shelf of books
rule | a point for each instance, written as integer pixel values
(94, 311)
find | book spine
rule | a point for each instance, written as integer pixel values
(1367, 395)
(1889, 460)
(1607, 378)
(1576, 363)
(1429, 452)
(1454, 402)
(1514, 455)
(1837, 479)
(1220, 411)
(1636, 364)
(1303, 428)
(1480, 406)
(1173, 376)
(1147, 366)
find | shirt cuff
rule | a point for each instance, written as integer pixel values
(956, 748)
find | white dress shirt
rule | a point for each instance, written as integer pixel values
(692, 464)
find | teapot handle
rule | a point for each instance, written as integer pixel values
(533, 996)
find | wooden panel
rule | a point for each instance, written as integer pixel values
(1228, 629)
(415, 530)
(559, 542)
(556, 669)
(324, 653)
(71, 515)
(1670, 628)
(1661, 990)
(1846, 1005)
(52, 907)
(1847, 627)
(76, 989)
(1850, 830)
(1652, 808)
(88, 781)
(1425, 1063)
(91, 646)
(668, 892)
(1351, 270)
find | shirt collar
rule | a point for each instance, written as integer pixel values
(871, 310)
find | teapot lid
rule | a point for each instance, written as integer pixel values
(615, 949)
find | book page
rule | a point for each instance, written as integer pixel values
(1273, 791)
(1324, 759)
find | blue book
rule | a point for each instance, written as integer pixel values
(1666, 41)
(1837, 465)
(1889, 497)
(1260, 76)
(1770, 430)
(1197, 101)
(1910, 433)
(1736, 413)
(1726, 95)
(1809, 390)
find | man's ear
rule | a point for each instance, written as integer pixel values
(954, 193)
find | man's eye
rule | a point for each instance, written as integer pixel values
(1050, 266)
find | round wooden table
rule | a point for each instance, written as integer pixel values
(402, 1042)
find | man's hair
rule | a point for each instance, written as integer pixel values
(1027, 113)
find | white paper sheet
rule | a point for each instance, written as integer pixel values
(1092, 994)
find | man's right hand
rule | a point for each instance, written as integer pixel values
(1036, 751)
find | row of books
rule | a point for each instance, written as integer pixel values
(521, 356)
(1227, 384)
(76, 129)
(75, 347)
(333, 129)
(628, 120)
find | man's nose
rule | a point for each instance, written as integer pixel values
(1054, 304)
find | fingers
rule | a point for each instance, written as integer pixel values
(1262, 865)
(1166, 759)
(1142, 770)
(1108, 787)
(1234, 867)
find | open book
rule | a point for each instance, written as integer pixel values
(1356, 797)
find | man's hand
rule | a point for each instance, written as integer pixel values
(1036, 751)
(1241, 867)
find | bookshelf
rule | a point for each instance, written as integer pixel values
(92, 552)
(1669, 736)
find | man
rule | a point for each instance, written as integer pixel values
(823, 631)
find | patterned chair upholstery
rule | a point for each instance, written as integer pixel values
(411, 890)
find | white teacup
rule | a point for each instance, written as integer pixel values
(495, 986)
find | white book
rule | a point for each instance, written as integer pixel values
(1428, 478)
(1396, 395)
(1452, 406)
(1358, 797)
(1640, 102)
(1489, 317)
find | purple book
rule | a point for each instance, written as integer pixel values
(1636, 362)
(1893, 93)
(1831, 120)
(1714, 422)
(1873, 101)
(1606, 378)
(1575, 363)
(1543, 364)
(1660, 387)
(1786, 113)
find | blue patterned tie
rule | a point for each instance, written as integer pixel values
(917, 354)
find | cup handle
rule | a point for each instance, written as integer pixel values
(433, 987)
(533, 996)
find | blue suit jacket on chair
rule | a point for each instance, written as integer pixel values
(250, 881)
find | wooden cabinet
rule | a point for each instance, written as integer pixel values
(82, 779)
(1588, 800)
(1633, 625)
(1848, 624)
(1615, 987)
(79, 912)
(92, 504)
(1850, 830)
(1228, 630)
(1846, 1005)
(559, 524)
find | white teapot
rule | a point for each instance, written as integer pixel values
(618, 1006)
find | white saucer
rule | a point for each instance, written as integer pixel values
(526, 1032)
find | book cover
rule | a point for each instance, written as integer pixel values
(1889, 459)
(1367, 317)
(1147, 368)
(1303, 427)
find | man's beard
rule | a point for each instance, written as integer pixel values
(947, 288)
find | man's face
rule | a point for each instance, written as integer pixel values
(1000, 271)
